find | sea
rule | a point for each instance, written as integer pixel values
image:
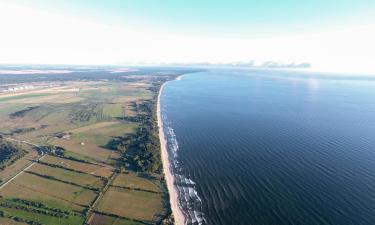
(272, 147)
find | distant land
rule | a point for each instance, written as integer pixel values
(268, 64)
(9, 68)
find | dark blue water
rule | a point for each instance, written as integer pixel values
(268, 147)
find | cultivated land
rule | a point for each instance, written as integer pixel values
(82, 148)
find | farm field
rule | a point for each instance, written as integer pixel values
(92, 169)
(26, 212)
(10, 222)
(138, 205)
(100, 219)
(133, 181)
(97, 137)
(47, 189)
(15, 167)
(83, 179)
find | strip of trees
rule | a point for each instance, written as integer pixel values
(140, 151)
(9, 153)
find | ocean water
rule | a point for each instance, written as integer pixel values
(273, 147)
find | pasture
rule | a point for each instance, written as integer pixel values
(82, 179)
(99, 219)
(139, 205)
(30, 186)
(97, 170)
(27, 211)
(133, 181)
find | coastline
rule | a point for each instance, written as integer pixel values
(178, 215)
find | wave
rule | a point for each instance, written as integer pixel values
(189, 200)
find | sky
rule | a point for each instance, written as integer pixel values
(332, 35)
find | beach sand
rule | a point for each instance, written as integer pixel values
(178, 215)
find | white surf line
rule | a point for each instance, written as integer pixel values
(178, 214)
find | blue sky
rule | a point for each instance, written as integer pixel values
(332, 35)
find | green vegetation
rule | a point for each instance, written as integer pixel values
(33, 212)
(22, 113)
(113, 110)
(76, 166)
(9, 153)
(134, 181)
(101, 145)
(101, 133)
(81, 179)
(132, 205)
(83, 113)
(100, 218)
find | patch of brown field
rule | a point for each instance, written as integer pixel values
(114, 156)
(98, 170)
(131, 180)
(89, 150)
(99, 219)
(129, 99)
(92, 127)
(10, 124)
(63, 89)
(49, 90)
(70, 176)
(104, 129)
(56, 87)
(128, 109)
(138, 205)
(6, 221)
(24, 92)
(45, 189)
(58, 90)
(143, 76)
(143, 85)
(15, 191)
(16, 167)
(56, 121)
(46, 133)
(66, 93)
(53, 98)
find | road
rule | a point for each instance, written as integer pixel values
(101, 193)
(21, 141)
(27, 167)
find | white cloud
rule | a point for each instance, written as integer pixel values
(31, 36)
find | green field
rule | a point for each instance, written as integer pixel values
(101, 133)
(97, 170)
(82, 179)
(45, 215)
(91, 132)
(113, 110)
(139, 205)
(133, 181)
(46, 189)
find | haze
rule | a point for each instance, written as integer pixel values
(340, 39)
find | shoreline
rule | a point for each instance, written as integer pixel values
(178, 215)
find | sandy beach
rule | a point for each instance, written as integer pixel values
(178, 215)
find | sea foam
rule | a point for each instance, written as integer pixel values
(189, 200)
